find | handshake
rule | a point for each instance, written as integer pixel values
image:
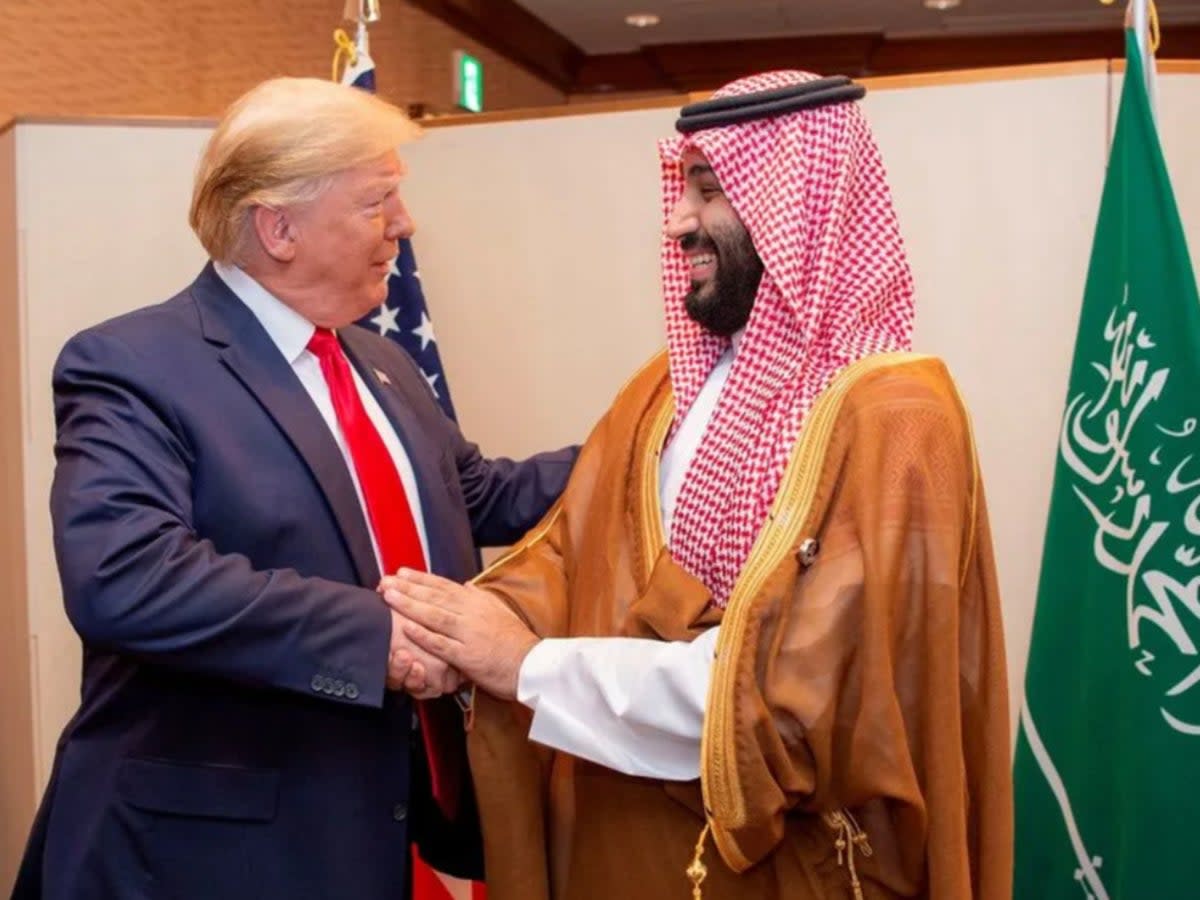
(446, 634)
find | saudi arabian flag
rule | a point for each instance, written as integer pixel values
(1108, 755)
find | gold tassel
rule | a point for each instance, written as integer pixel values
(466, 705)
(346, 50)
(849, 839)
(698, 871)
(1152, 24)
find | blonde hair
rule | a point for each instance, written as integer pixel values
(279, 144)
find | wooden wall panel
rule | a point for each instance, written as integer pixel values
(192, 57)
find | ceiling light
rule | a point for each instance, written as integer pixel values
(641, 20)
(942, 5)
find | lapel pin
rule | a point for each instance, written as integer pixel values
(382, 376)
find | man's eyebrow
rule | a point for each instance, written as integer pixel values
(696, 170)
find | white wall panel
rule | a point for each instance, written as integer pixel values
(538, 247)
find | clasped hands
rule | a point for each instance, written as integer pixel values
(445, 634)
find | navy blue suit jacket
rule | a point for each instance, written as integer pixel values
(235, 738)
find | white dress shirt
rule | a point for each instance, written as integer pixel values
(635, 705)
(291, 333)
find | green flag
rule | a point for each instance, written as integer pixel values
(1108, 754)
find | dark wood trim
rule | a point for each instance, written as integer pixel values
(588, 108)
(513, 32)
(37, 118)
(636, 71)
(705, 66)
(895, 57)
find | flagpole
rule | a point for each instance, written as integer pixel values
(364, 12)
(361, 11)
(1138, 16)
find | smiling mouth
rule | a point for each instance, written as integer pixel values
(702, 266)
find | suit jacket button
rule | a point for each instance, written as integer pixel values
(351, 690)
(317, 683)
(339, 688)
(399, 812)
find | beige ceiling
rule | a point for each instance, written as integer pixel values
(597, 26)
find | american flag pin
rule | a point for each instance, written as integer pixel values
(382, 376)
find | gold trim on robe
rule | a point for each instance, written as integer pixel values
(788, 519)
(856, 741)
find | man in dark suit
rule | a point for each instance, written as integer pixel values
(235, 470)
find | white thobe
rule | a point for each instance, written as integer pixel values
(635, 705)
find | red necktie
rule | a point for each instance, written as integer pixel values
(395, 530)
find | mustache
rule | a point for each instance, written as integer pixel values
(697, 241)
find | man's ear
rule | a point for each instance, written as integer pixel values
(276, 232)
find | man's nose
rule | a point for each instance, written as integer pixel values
(400, 224)
(684, 219)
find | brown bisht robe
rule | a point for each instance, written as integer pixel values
(856, 737)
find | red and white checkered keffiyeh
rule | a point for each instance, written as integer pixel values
(809, 186)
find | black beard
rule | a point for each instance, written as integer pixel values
(723, 304)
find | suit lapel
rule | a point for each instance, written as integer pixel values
(247, 350)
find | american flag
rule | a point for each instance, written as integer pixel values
(404, 318)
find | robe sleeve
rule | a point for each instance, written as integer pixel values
(540, 577)
(533, 578)
(866, 678)
(512, 773)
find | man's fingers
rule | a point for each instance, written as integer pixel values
(451, 680)
(420, 584)
(417, 680)
(426, 580)
(440, 678)
(441, 675)
(392, 598)
(399, 664)
(434, 595)
(433, 617)
(433, 643)
(418, 688)
(409, 578)
(390, 583)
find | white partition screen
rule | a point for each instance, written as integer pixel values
(537, 245)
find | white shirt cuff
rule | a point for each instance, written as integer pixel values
(632, 704)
